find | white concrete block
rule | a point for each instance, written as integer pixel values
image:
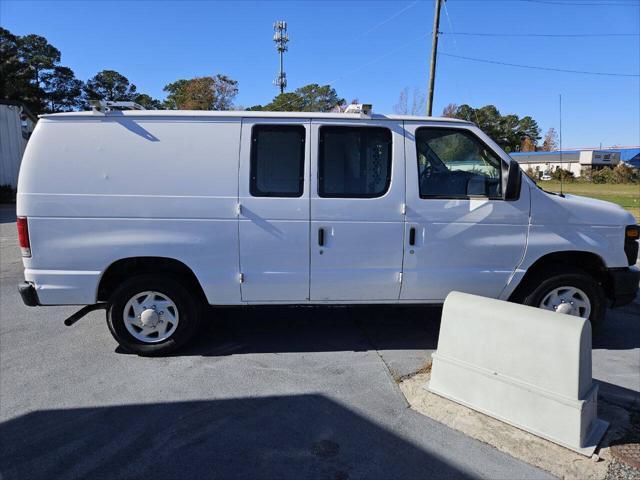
(528, 367)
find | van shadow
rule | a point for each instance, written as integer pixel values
(621, 408)
(297, 436)
(134, 127)
(281, 329)
(621, 329)
(268, 329)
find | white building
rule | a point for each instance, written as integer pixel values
(16, 125)
(573, 160)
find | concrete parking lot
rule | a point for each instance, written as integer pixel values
(263, 393)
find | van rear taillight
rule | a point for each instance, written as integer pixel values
(23, 236)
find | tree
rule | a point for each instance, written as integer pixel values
(527, 145)
(286, 102)
(508, 131)
(62, 90)
(111, 86)
(38, 54)
(528, 127)
(202, 93)
(175, 96)
(16, 78)
(508, 128)
(417, 102)
(309, 98)
(198, 94)
(401, 107)
(148, 102)
(550, 142)
(225, 91)
(316, 98)
(450, 110)
(30, 72)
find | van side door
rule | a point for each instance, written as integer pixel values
(357, 193)
(460, 233)
(274, 210)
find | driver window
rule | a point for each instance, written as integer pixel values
(454, 163)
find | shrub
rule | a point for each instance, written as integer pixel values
(604, 175)
(531, 173)
(621, 173)
(561, 172)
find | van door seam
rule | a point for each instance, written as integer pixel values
(238, 210)
(308, 153)
(406, 207)
(524, 252)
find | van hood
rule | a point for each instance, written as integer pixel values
(575, 209)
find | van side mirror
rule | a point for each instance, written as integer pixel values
(514, 182)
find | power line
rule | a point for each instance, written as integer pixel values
(583, 4)
(532, 67)
(571, 35)
(566, 4)
(387, 20)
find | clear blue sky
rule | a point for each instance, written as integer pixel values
(368, 50)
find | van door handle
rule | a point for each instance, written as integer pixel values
(321, 237)
(412, 236)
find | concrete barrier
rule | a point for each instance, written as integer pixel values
(528, 367)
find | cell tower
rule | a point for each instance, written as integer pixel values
(281, 38)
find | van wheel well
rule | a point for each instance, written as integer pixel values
(586, 261)
(125, 268)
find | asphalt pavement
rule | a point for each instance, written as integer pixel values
(277, 392)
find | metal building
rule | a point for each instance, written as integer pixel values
(575, 161)
(16, 125)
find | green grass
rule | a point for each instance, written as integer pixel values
(627, 195)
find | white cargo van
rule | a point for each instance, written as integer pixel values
(153, 214)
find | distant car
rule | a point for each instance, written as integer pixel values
(545, 177)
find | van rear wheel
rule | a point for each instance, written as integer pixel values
(566, 290)
(152, 315)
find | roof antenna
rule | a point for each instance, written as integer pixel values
(561, 164)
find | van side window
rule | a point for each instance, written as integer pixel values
(454, 163)
(277, 161)
(354, 162)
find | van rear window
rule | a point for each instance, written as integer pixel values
(277, 160)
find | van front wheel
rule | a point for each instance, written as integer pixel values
(152, 315)
(567, 290)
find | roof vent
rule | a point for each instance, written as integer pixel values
(361, 108)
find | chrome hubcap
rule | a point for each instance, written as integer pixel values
(151, 317)
(567, 300)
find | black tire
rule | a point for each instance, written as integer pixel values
(189, 307)
(535, 289)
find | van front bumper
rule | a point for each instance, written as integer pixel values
(624, 284)
(28, 294)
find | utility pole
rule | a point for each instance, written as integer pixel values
(281, 38)
(434, 53)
